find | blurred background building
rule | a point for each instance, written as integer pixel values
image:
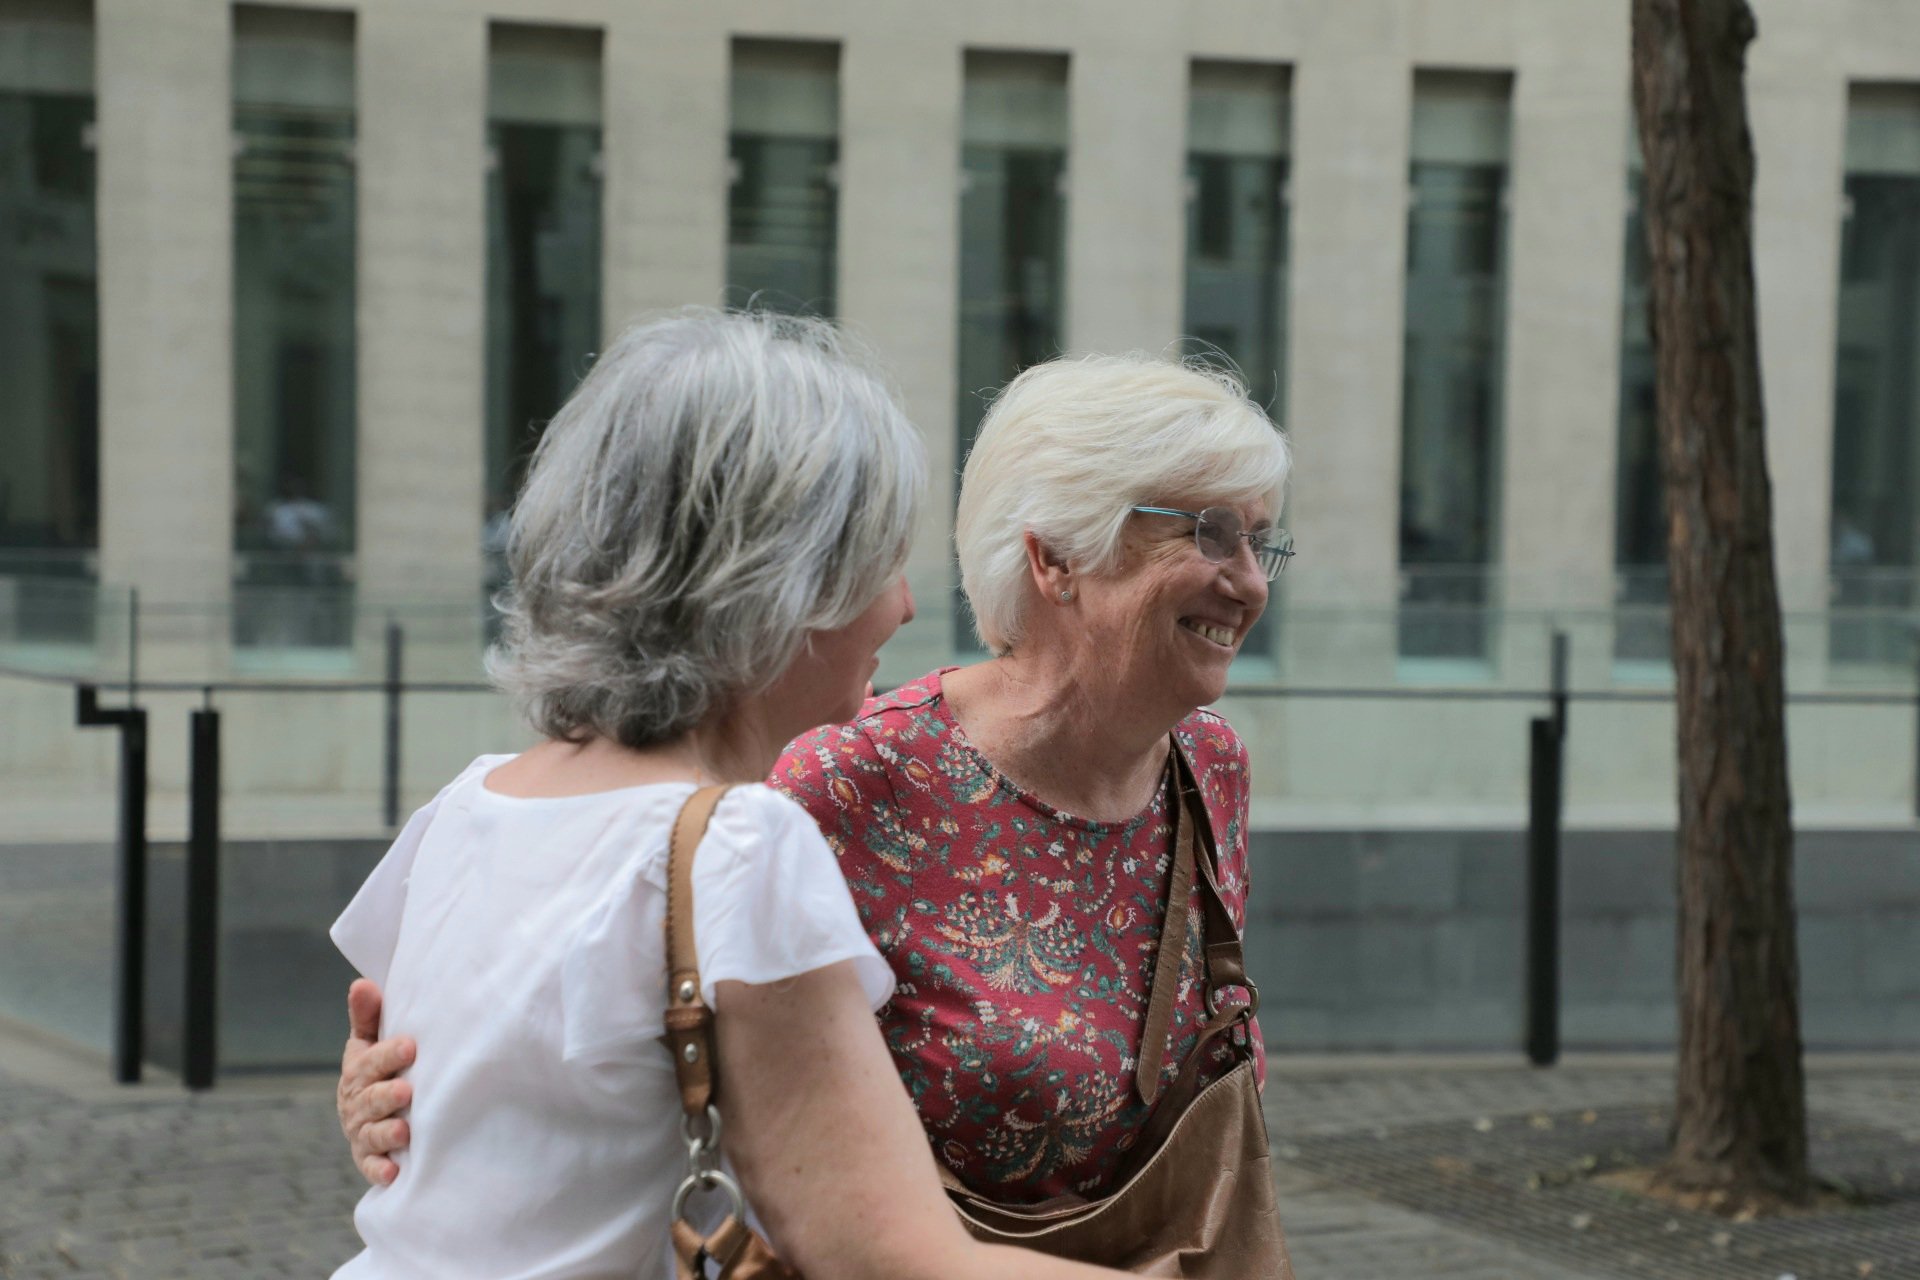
(286, 293)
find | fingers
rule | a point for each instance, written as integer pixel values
(374, 1132)
(373, 1158)
(366, 1108)
(369, 1097)
(378, 1170)
(383, 1139)
(363, 1064)
(363, 1009)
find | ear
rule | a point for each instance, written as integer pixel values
(1052, 576)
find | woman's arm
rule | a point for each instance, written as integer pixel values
(828, 1146)
(824, 1137)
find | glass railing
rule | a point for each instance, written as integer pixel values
(1389, 797)
(56, 618)
(1452, 628)
(1342, 721)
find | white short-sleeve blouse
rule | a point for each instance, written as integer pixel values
(521, 943)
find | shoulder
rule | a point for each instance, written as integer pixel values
(899, 711)
(1209, 740)
(453, 795)
(1221, 766)
(473, 775)
(855, 754)
(757, 837)
(757, 810)
(755, 814)
(907, 697)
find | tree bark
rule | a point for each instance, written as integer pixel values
(1739, 1131)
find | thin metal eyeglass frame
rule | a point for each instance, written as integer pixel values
(1280, 552)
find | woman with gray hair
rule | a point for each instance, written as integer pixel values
(1011, 829)
(706, 559)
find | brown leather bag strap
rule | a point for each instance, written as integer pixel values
(1225, 963)
(1225, 957)
(1179, 1095)
(689, 1021)
(1167, 956)
(1226, 966)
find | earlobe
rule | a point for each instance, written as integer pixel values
(1051, 573)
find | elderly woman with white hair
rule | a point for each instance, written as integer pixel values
(1009, 829)
(706, 559)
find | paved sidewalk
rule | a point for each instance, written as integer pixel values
(150, 1183)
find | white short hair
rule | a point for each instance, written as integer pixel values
(720, 485)
(1070, 445)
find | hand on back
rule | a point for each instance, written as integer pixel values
(371, 1096)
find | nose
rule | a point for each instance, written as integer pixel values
(906, 601)
(1247, 581)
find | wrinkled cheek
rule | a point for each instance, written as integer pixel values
(1145, 645)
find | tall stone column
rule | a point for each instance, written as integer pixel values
(1797, 101)
(666, 181)
(900, 90)
(1352, 94)
(1567, 220)
(165, 218)
(422, 76)
(1126, 216)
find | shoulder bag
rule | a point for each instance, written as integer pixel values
(733, 1250)
(1195, 1198)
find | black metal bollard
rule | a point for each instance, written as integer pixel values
(1543, 893)
(200, 1032)
(130, 898)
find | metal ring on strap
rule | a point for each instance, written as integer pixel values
(698, 1142)
(706, 1182)
(1251, 1005)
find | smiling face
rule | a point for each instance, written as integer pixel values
(1167, 617)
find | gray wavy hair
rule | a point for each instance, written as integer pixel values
(720, 485)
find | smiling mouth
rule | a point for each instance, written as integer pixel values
(1222, 636)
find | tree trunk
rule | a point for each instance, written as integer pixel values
(1739, 1131)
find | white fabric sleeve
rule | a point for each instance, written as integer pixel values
(768, 904)
(369, 929)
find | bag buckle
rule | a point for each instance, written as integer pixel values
(708, 1181)
(702, 1134)
(1249, 1005)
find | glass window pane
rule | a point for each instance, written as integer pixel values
(1876, 420)
(49, 338)
(293, 344)
(1641, 631)
(1236, 287)
(1013, 158)
(543, 246)
(1012, 222)
(783, 192)
(1237, 220)
(1455, 323)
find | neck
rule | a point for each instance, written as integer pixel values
(738, 747)
(1066, 735)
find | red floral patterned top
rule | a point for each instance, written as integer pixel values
(1022, 937)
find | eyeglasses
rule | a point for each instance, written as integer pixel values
(1217, 530)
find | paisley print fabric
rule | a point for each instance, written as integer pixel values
(1023, 938)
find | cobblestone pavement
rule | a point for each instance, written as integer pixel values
(150, 1183)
